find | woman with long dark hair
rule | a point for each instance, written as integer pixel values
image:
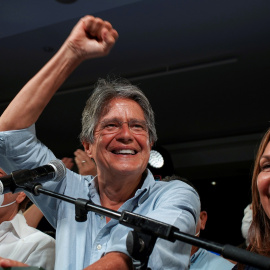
(259, 232)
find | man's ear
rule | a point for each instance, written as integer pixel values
(203, 218)
(21, 196)
(88, 149)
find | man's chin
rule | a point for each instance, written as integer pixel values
(128, 170)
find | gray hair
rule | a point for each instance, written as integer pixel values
(104, 92)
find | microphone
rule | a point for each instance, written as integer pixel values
(55, 170)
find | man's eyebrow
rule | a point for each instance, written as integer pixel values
(120, 120)
(110, 119)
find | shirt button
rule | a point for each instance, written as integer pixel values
(101, 217)
(99, 247)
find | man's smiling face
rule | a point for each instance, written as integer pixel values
(121, 145)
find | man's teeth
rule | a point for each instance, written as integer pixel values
(125, 151)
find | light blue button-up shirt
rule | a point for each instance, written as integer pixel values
(205, 260)
(79, 244)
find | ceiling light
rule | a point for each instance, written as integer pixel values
(156, 160)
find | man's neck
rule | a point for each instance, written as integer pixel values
(114, 193)
(194, 250)
(8, 216)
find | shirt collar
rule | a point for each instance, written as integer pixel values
(141, 194)
(14, 225)
(194, 257)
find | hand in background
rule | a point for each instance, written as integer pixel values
(85, 164)
(6, 263)
(68, 162)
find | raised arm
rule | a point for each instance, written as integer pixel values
(90, 38)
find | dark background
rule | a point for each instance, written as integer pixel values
(204, 65)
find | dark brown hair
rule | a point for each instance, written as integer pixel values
(259, 232)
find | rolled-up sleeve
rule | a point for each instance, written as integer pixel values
(20, 149)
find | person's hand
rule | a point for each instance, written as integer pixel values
(91, 37)
(68, 162)
(5, 263)
(84, 163)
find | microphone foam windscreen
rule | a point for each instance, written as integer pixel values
(60, 169)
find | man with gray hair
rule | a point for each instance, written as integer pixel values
(118, 133)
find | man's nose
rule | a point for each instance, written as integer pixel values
(125, 132)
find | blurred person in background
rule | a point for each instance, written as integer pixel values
(18, 241)
(200, 258)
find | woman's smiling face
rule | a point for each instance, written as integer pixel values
(263, 180)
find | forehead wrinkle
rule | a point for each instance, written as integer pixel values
(124, 106)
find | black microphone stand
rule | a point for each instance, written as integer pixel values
(141, 241)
